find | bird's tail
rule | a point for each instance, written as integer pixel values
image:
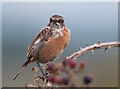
(22, 67)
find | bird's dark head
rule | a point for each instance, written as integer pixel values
(56, 21)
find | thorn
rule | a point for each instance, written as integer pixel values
(65, 59)
(81, 48)
(92, 51)
(98, 42)
(105, 49)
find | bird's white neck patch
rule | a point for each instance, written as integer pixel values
(58, 33)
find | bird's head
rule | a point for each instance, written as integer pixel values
(56, 21)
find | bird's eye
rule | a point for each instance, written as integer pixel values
(50, 20)
(61, 21)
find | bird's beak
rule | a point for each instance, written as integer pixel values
(56, 25)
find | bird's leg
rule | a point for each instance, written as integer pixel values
(40, 68)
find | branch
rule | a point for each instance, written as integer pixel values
(54, 71)
(91, 48)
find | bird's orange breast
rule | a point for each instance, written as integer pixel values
(54, 47)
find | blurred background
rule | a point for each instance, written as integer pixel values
(88, 23)
(0, 44)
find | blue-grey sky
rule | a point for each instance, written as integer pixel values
(88, 23)
(0, 45)
(60, 1)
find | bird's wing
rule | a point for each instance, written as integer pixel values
(42, 36)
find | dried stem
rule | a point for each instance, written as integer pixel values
(91, 48)
(64, 65)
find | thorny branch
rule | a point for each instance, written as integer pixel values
(91, 48)
(70, 67)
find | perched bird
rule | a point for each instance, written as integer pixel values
(50, 42)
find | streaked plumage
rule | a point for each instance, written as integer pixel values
(49, 43)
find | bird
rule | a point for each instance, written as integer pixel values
(49, 43)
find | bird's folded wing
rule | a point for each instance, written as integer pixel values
(42, 36)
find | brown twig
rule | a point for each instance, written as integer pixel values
(91, 48)
(64, 65)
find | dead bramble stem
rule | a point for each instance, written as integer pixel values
(94, 47)
(70, 67)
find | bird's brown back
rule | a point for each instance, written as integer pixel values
(52, 46)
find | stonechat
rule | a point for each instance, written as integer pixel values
(50, 42)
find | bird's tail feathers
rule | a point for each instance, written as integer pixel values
(23, 66)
